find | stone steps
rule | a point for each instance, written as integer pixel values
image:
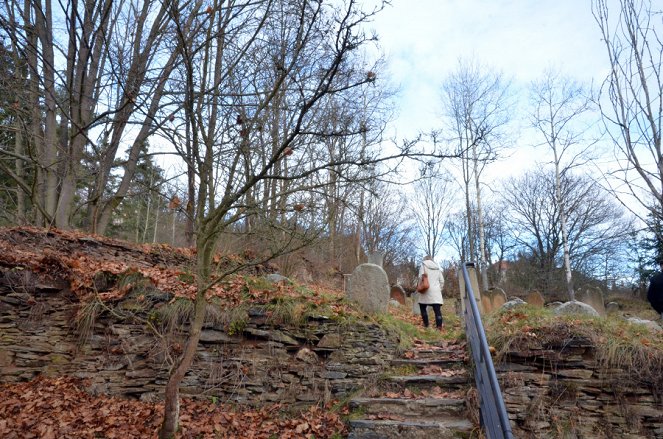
(388, 429)
(424, 405)
(453, 382)
(421, 363)
(433, 408)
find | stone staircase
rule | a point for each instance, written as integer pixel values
(424, 396)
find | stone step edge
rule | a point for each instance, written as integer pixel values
(456, 424)
(428, 362)
(422, 379)
(428, 402)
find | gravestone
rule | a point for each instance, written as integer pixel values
(648, 323)
(514, 303)
(376, 258)
(535, 298)
(593, 297)
(576, 307)
(493, 299)
(612, 307)
(369, 287)
(415, 304)
(474, 284)
(397, 293)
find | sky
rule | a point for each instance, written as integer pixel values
(424, 39)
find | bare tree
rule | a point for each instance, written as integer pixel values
(558, 107)
(89, 82)
(632, 97)
(596, 224)
(387, 225)
(253, 132)
(431, 204)
(475, 102)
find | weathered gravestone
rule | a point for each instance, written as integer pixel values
(576, 307)
(535, 299)
(369, 287)
(376, 258)
(397, 293)
(612, 308)
(492, 299)
(415, 304)
(593, 297)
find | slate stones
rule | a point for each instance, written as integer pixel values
(368, 285)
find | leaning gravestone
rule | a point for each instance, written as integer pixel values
(397, 293)
(593, 297)
(369, 287)
(535, 299)
(492, 299)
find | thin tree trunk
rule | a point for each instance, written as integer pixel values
(565, 239)
(171, 403)
(156, 221)
(483, 264)
(20, 194)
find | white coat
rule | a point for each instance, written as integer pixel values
(436, 280)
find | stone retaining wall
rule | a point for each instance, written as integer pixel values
(563, 392)
(319, 360)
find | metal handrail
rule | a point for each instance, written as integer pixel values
(494, 417)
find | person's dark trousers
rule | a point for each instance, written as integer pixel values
(437, 309)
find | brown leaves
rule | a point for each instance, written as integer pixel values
(58, 407)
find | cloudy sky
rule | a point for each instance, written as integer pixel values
(423, 40)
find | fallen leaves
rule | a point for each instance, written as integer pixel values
(59, 407)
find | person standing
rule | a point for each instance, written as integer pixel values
(433, 295)
(655, 290)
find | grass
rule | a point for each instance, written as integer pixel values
(409, 327)
(86, 317)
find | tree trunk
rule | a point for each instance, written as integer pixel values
(483, 263)
(565, 238)
(20, 195)
(171, 404)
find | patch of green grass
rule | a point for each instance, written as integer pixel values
(287, 311)
(403, 370)
(187, 278)
(174, 314)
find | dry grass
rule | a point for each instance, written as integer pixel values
(618, 344)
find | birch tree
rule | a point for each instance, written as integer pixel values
(597, 225)
(558, 107)
(476, 105)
